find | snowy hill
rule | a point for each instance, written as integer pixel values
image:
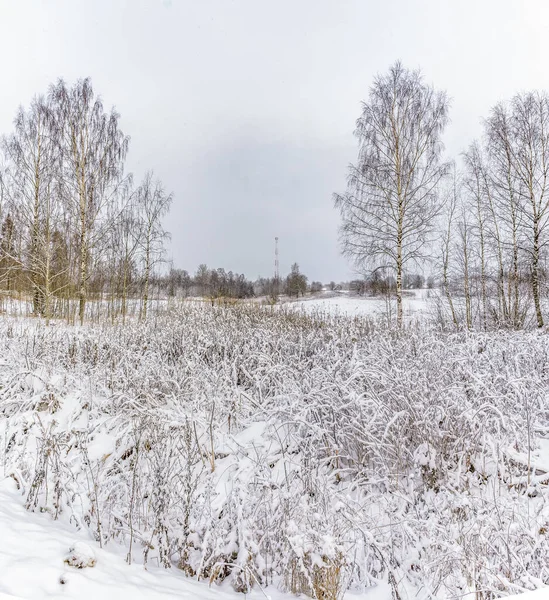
(33, 549)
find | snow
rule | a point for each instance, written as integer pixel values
(416, 304)
(33, 549)
(81, 556)
(541, 594)
(315, 435)
(542, 455)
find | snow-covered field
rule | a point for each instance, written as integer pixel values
(267, 451)
(417, 305)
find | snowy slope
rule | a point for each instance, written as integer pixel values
(33, 548)
(32, 566)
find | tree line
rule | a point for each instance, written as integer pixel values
(480, 221)
(73, 224)
(218, 283)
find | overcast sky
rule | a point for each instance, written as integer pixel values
(246, 109)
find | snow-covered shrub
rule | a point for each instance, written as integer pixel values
(80, 556)
(263, 446)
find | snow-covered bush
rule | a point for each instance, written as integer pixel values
(316, 452)
(80, 556)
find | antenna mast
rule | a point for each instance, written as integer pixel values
(277, 273)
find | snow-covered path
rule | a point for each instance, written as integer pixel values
(32, 549)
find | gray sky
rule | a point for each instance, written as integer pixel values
(246, 109)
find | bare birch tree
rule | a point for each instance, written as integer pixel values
(388, 212)
(94, 152)
(474, 185)
(33, 152)
(530, 123)
(501, 185)
(153, 203)
(464, 254)
(446, 246)
(128, 238)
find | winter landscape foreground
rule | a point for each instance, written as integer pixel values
(272, 452)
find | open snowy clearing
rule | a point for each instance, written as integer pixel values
(418, 304)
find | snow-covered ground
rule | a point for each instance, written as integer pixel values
(32, 566)
(542, 594)
(417, 304)
(229, 441)
(32, 552)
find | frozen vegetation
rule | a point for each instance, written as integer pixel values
(280, 450)
(32, 564)
(161, 431)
